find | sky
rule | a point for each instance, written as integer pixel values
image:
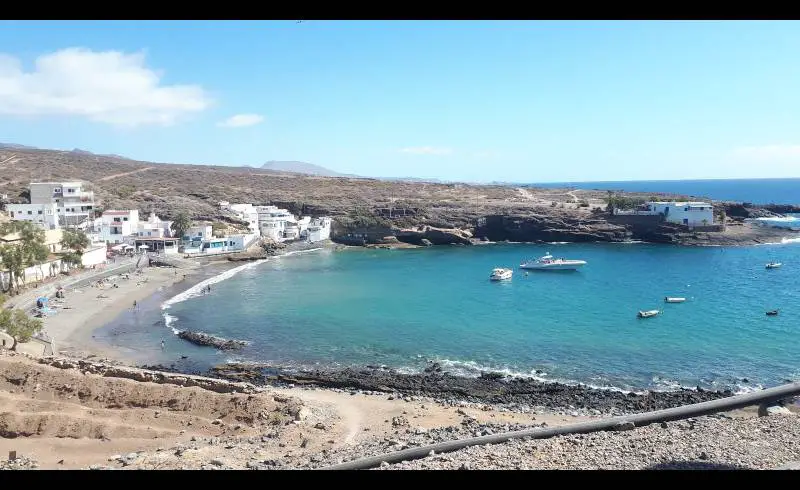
(476, 101)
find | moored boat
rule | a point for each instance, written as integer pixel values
(774, 265)
(648, 313)
(772, 313)
(500, 274)
(548, 262)
(670, 299)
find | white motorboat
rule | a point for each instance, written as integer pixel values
(548, 262)
(501, 274)
(774, 265)
(669, 299)
(648, 313)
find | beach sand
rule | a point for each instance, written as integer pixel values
(91, 307)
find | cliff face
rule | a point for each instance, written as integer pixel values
(539, 228)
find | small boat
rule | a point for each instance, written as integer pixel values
(774, 265)
(548, 262)
(501, 274)
(772, 313)
(669, 299)
(648, 313)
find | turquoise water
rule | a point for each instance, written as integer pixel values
(402, 308)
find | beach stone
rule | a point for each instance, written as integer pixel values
(625, 426)
(399, 421)
(764, 411)
(319, 425)
(217, 462)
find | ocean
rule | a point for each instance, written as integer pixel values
(403, 308)
(758, 191)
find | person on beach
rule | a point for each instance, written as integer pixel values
(163, 344)
(134, 304)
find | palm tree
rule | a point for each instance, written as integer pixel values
(181, 224)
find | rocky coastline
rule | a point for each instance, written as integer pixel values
(493, 389)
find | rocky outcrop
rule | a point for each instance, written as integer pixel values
(541, 228)
(206, 340)
(425, 235)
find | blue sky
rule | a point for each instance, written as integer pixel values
(522, 101)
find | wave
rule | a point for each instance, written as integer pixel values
(784, 241)
(197, 290)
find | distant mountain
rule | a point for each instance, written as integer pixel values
(301, 168)
(15, 146)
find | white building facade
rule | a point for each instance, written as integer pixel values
(45, 215)
(246, 213)
(319, 229)
(117, 226)
(684, 213)
(74, 204)
(154, 227)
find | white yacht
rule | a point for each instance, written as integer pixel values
(548, 262)
(774, 265)
(500, 274)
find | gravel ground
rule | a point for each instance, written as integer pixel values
(703, 443)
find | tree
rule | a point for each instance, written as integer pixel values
(28, 250)
(75, 242)
(17, 325)
(180, 225)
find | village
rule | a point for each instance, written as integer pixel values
(57, 207)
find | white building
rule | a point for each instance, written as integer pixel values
(272, 222)
(154, 227)
(46, 215)
(228, 244)
(116, 226)
(196, 234)
(684, 213)
(319, 229)
(74, 204)
(245, 212)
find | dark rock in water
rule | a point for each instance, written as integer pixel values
(206, 340)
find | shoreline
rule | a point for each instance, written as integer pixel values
(75, 331)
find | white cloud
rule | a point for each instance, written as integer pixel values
(426, 150)
(769, 152)
(241, 121)
(109, 87)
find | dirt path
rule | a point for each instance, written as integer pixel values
(9, 160)
(123, 174)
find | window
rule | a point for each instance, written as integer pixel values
(39, 212)
(125, 219)
(70, 191)
(12, 214)
(116, 220)
(30, 212)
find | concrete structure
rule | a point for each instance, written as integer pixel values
(272, 221)
(246, 213)
(95, 255)
(198, 233)
(684, 213)
(154, 227)
(52, 267)
(45, 215)
(117, 226)
(228, 244)
(74, 204)
(156, 245)
(319, 229)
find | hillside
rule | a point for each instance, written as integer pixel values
(410, 211)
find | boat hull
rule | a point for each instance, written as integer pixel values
(567, 266)
(675, 300)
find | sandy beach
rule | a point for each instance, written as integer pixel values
(90, 307)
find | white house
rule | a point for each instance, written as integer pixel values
(245, 212)
(212, 245)
(45, 215)
(73, 204)
(272, 221)
(198, 233)
(154, 227)
(685, 213)
(319, 229)
(116, 226)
